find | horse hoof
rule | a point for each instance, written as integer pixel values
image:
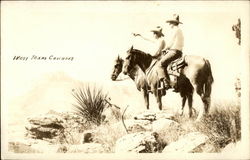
(180, 112)
(199, 119)
(163, 92)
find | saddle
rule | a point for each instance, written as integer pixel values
(174, 68)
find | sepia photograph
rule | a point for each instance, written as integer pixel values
(125, 80)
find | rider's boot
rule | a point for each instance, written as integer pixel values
(166, 83)
(175, 85)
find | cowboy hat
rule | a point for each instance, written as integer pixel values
(158, 30)
(174, 19)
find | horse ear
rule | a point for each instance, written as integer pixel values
(119, 58)
(131, 48)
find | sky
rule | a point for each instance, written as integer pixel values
(94, 33)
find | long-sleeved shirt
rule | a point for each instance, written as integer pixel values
(160, 46)
(159, 43)
(175, 39)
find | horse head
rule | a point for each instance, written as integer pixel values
(117, 69)
(129, 61)
(134, 58)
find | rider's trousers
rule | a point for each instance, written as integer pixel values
(170, 56)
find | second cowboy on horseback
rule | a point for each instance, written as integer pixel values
(172, 50)
(168, 50)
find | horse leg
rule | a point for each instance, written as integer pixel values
(190, 104)
(206, 98)
(188, 96)
(186, 92)
(159, 101)
(184, 98)
(146, 97)
(158, 98)
(199, 91)
(206, 101)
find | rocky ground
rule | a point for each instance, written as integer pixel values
(148, 132)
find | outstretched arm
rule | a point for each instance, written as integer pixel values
(139, 35)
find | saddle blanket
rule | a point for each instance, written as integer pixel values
(174, 68)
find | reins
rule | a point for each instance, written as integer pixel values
(151, 67)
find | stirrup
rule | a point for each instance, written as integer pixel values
(162, 86)
(166, 84)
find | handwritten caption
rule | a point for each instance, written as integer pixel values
(42, 58)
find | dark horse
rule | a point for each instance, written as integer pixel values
(136, 74)
(195, 75)
(139, 77)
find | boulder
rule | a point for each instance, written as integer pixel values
(140, 142)
(138, 125)
(41, 127)
(168, 130)
(72, 121)
(187, 143)
(163, 124)
(150, 116)
(55, 127)
(206, 148)
(165, 115)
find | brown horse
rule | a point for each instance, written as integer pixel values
(139, 77)
(195, 75)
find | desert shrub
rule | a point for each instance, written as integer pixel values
(107, 135)
(112, 113)
(90, 103)
(171, 134)
(222, 125)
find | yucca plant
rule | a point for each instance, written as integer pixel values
(90, 103)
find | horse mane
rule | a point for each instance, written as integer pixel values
(142, 53)
(145, 58)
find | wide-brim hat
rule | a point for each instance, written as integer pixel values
(175, 18)
(158, 30)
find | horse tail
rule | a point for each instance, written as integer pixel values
(208, 85)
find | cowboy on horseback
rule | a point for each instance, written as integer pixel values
(192, 73)
(172, 50)
(159, 41)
